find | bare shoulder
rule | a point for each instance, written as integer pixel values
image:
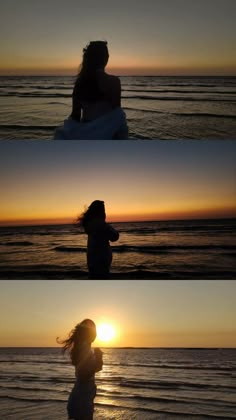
(109, 81)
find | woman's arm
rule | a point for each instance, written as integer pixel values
(89, 363)
(113, 234)
(99, 362)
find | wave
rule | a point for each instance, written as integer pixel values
(17, 243)
(63, 248)
(177, 98)
(181, 114)
(204, 114)
(25, 361)
(157, 90)
(159, 384)
(27, 127)
(137, 410)
(25, 388)
(58, 400)
(122, 382)
(141, 97)
(183, 366)
(35, 95)
(174, 412)
(118, 394)
(152, 249)
(26, 86)
(31, 399)
(201, 228)
(182, 84)
(176, 366)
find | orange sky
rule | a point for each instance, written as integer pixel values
(167, 38)
(179, 313)
(210, 213)
(137, 180)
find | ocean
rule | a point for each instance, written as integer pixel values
(157, 107)
(166, 249)
(135, 383)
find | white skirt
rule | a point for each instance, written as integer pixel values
(109, 126)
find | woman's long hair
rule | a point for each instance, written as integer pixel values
(85, 331)
(95, 57)
(96, 210)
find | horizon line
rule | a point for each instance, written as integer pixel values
(128, 347)
(127, 221)
(122, 75)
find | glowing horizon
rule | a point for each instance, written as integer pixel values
(230, 71)
(171, 38)
(53, 182)
(197, 215)
(161, 323)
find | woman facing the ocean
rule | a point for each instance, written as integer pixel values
(87, 362)
(96, 100)
(100, 233)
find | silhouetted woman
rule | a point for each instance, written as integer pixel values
(99, 253)
(96, 100)
(87, 362)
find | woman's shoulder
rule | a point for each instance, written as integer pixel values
(85, 351)
(108, 80)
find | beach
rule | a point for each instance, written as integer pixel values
(187, 249)
(135, 383)
(157, 107)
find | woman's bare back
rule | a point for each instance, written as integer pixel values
(110, 89)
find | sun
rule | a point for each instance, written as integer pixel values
(105, 332)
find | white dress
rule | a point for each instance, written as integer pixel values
(111, 125)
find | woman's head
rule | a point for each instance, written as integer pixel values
(84, 332)
(96, 210)
(95, 56)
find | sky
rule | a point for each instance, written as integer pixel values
(145, 37)
(53, 182)
(150, 313)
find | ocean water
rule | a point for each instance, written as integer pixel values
(156, 107)
(146, 383)
(165, 249)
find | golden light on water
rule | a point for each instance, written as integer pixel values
(105, 332)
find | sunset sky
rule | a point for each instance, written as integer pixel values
(144, 313)
(145, 37)
(47, 182)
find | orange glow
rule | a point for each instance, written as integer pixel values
(121, 70)
(161, 323)
(204, 213)
(105, 333)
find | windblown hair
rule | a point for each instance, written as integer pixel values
(95, 57)
(85, 331)
(96, 210)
